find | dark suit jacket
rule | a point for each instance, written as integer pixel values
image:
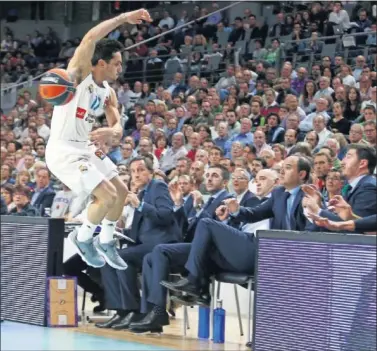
(188, 206)
(44, 200)
(3, 206)
(363, 199)
(188, 224)
(249, 200)
(367, 224)
(28, 210)
(275, 207)
(155, 222)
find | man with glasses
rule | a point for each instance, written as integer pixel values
(370, 132)
(127, 153)
(356, 133)
(334, 184)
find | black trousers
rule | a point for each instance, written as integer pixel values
(121, 286)
(75, 267)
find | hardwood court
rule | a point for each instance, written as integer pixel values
(173, 337)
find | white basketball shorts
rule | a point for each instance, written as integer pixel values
(79, 166)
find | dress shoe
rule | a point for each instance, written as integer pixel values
(152, 322)
(154, 330)
(125, 322)
(108, 324)
(183, 286)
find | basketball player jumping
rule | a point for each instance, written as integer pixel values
(73, 152)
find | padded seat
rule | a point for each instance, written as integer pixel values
(234, 278)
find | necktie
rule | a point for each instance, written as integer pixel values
(141, 195)
(287, 195)
(208, 203)
(346, 191)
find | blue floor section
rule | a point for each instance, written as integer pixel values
(17, 336)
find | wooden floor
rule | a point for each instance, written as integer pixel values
(173, 337)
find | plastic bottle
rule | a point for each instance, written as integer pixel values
(219, 323)
(203, 327)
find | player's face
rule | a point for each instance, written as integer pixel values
(114, 67)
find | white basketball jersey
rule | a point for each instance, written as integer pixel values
(74, 121)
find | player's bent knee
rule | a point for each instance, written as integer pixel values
(120, 187)
(106, 193)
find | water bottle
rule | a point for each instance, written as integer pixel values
(219, 323)
(203, 327)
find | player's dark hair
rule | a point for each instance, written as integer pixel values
(105, 50)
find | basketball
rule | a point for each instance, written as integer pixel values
(56, 87)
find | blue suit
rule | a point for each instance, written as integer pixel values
(171, 258)
(248, 200)
(153, 223)
(276, 208)
(366, 224)
(44, 200)
(362, 199)
(222, 247)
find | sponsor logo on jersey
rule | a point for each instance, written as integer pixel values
(80, 113)
(96, 102)
(83, 168)
(100, 154)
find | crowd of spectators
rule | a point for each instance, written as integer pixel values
(251, 118)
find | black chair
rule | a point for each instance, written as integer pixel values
(245, 280)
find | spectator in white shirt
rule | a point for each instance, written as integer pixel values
(321, 108)
(319, 126)
(177, 150)
(42, 128)
(347, 76)
(340, 16)
(167, 20)
(324, 88)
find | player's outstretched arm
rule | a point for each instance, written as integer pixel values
(80, 65)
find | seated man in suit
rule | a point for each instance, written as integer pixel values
(170, 258)
(234, 248)
(186, 185)
(153, 223)
(43, 196)
(227, 250)
(361, 191)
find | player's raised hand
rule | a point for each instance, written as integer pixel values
(136, 17)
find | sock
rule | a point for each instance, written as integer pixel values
(107, 232)
(159, 310)
(86, 231)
